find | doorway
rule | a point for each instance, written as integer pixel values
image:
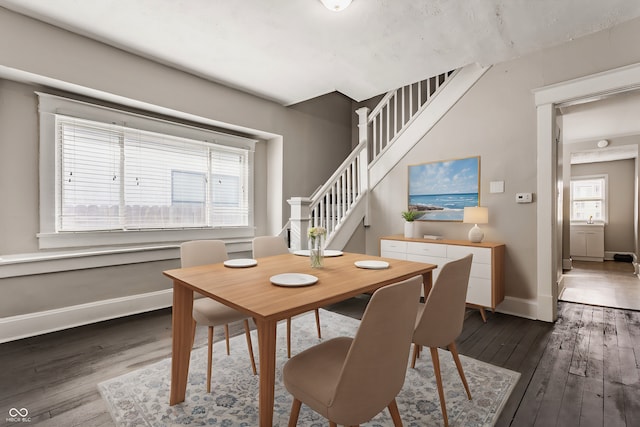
(600, 147)
(549, 225)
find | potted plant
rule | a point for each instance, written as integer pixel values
(409, 226)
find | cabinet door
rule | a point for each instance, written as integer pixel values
(480, 288)
(594, 242)
(479, 291)
(578, 243)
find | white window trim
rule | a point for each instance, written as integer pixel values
(605, 199)
(48, 238)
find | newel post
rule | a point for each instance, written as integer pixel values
(299, 220)
(363, 161)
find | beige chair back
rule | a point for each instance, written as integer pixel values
(264, 246)
(376, 365)
(201, 252)
(443, 315)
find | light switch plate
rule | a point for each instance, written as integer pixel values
(496, 187)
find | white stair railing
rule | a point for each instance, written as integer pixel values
(345, 192)
(397, 109)
(332, 202)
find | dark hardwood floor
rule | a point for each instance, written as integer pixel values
(584, 370)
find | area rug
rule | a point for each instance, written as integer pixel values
(141, 397)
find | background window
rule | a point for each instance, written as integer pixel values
(589, 198)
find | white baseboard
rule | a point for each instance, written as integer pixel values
(519, 307)
(28, 325)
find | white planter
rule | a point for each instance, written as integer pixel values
(410, 229)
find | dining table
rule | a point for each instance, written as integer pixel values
(250, 290)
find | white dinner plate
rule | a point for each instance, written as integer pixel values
(240, 263)
(327, 252)
(293, 279)
(372, 264)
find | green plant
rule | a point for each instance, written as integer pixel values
(410, 215)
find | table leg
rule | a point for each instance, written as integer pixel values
(267, 347)
(427, 283)
(182, 340)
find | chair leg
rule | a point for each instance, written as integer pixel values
(295, 412)
(416, 352)
(454, 352)
(226, 337)
(318, 323)
(250, 346)
(193, 335)
(436, 369)
(209, 359)
(289, 337)
(395, 414)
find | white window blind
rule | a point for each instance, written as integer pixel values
(113, 177)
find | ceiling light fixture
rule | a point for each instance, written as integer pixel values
(336, 5)
(603, 143)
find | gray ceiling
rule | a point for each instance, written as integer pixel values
(293, 50)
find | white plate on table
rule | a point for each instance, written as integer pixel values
(372, 264)
(327, 252)
(293, 279)
(240, 263)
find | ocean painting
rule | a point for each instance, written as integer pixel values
(441, 190)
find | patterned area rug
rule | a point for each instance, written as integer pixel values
(141, 397)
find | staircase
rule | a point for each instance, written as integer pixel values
(386, 134)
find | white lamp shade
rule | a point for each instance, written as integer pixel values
(336, 5)
(476, 215)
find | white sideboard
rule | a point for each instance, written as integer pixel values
(586, 242)
(486, 282)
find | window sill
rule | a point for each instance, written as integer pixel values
(28, 264)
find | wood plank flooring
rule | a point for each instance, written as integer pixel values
(608, 283)
(584, 370)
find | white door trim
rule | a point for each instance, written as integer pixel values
(610, 82)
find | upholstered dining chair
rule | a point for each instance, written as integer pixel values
(444, 307)
(264, 246)
(351, 380)
(207, 311)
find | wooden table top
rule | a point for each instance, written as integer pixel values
(250, 290)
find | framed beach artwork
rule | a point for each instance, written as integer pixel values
(441, 190)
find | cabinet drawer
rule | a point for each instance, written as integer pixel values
(392, 246)
(430, 249)
(439, 261)
(479, 292)
(394, 255)
(480, 255)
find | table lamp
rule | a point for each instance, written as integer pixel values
(476, 215)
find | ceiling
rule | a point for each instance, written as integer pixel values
(293, 50)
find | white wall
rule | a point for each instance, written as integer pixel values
(309, 140)
(497, 121)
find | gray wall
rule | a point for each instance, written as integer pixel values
(497, 121)
(618, 232)
(316, 137)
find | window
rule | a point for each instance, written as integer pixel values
(589, 198)
(115, 177)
